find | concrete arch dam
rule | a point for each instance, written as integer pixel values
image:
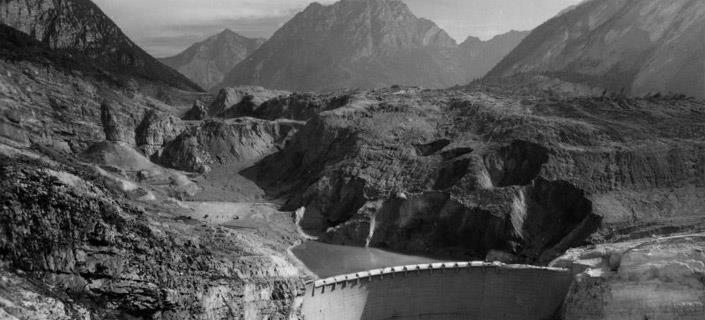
(461, 290)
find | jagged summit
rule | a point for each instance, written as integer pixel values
(206, 62)
(80, 26)
(366, 44)
(635, 47)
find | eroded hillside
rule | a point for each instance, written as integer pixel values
(463, 173)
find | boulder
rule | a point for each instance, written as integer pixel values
(156, 130)
(111, 127)
(197, 112)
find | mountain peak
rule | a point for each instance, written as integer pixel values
(227, 31)
(207, 61)
(349, 44)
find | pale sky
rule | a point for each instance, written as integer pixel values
(166, 27)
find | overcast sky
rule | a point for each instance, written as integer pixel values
(166, 27)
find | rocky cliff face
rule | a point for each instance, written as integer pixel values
(79, 26)
(91, 253)
(238, 142)
(632, 46)
(52, 98)
(241, 101)
(91, 228)
(460, 174)
(207, 62)
(351, 44)
(658, 278)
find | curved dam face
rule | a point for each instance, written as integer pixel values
(462, 290)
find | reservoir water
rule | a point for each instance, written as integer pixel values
(326, 260)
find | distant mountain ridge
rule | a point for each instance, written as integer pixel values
(357, 44)
(207, 62)
(635, 47)
(80, 26)
(478, 57)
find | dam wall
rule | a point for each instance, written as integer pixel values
(460, 290)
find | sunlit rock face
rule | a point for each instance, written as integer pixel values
(236, 142)
(80, 26)
(82, 242)
(636, 47)
(644, 279)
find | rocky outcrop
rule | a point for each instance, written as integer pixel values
(636, 47)
(95, 255)
(207, 62)
(299, 106)
(197, 112)
(463, 174)
(155, 131)
(241, 101)
(659, 278)
(52, 98)
(79, 26)
(112, 129)
(236, 142)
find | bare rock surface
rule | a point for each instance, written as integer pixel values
(52, 98)
(240, 101)
(460, 173)
(81, 241)
(659, 278)
(300, 106)
(90, 226)
(197, 112)
(156, 130)
(79, 26)
(111, 127)
(235, 142)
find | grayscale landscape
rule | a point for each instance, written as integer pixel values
(352, 159)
